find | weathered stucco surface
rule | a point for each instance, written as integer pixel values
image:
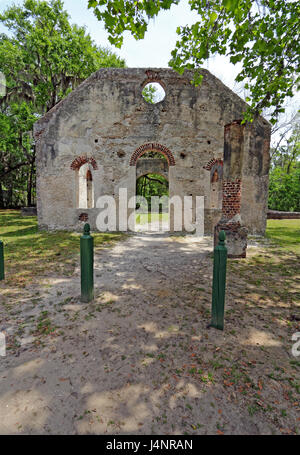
(105, 120)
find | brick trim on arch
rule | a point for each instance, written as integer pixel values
(152, 147)
(213, 166)
(212, 163)
(81, 160)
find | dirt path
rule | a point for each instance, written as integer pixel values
(140, 359)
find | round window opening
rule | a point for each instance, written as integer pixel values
(153, 93)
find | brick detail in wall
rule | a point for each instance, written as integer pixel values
(152, 76)
(81, 160)
(83, 217)
(235, 122)
(212, 163)
(231, 198)
(152, 147)
(277, 215)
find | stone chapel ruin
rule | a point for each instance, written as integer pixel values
(91, 144)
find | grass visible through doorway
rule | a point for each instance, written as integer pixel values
(143, 218)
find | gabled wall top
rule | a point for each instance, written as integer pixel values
(141, 76)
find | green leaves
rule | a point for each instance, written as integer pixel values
(43, 58)
(197, 79)
(148, 93)
(53, 56)
(213, 17)
(262, 36)
(236, 58)
(284, 190)
(92, 4)
(230, 5)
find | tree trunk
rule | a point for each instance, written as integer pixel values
(9, 201)
(1, 197)
(30, 184)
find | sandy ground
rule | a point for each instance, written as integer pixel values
(140, 359)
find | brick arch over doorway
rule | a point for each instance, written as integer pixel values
(81, 160)
(152, 147)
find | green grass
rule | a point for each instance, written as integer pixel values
(285, 233)
(143, 218)
(271, 274)
(31, 253)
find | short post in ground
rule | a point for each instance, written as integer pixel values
(219, 283)
(87, 265)
(2, 274)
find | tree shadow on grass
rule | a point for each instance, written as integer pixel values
(15, 219)
(32, 230)
(289, 235)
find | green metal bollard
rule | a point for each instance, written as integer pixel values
(87, 265)
(219, 283)
(2, 275)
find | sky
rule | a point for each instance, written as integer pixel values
(155, 49)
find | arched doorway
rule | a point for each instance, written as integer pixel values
(153, 161)
(152, 210)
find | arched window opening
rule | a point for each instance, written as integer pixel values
(216, 190)
(90, 192)
(215, 177)
(85, 187)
